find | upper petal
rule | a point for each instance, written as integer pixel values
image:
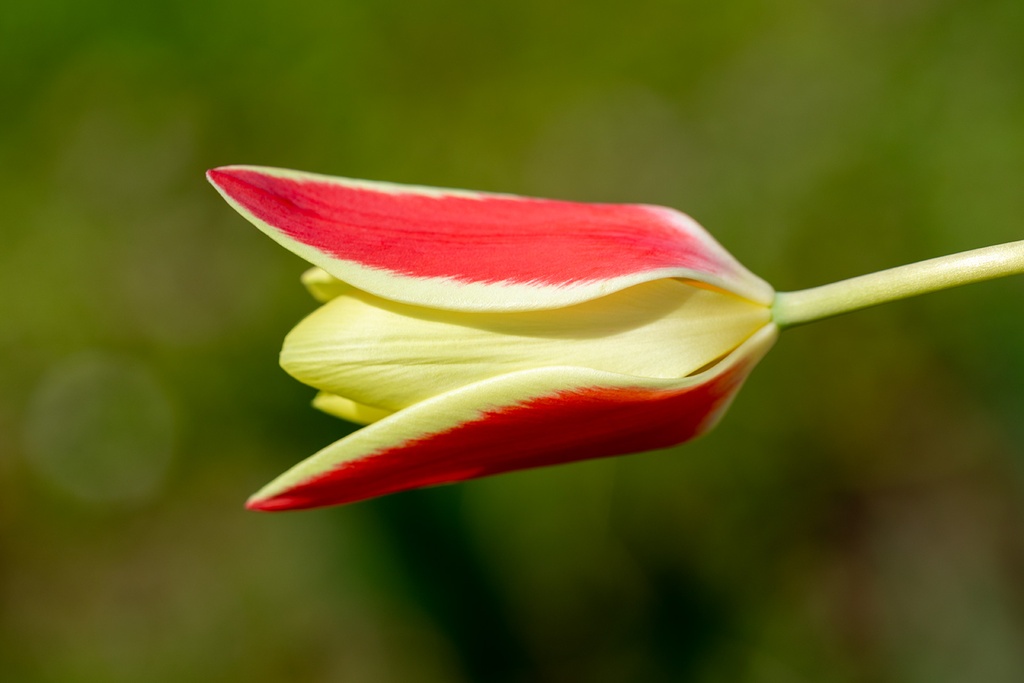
(475, 251)
(526, 419)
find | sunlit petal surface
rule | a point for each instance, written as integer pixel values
(526, 419)
(393, 355)
(474, 251)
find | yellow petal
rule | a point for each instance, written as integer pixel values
(322, 285)
(381, 353)
(347, 409)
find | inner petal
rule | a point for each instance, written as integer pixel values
(347, 409)
(392, 355)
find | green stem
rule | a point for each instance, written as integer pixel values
(808, 305)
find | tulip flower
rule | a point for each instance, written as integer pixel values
(476, 333)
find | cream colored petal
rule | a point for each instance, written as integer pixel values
(322, 285)
(392, 355)
(347, 409)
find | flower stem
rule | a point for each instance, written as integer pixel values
(808, 305)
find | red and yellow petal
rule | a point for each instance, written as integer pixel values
(474, 251)
(525, 419)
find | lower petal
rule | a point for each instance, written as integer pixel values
(525, 419)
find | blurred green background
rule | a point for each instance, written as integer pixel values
(858, 516)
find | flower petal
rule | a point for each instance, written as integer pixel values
(392, 355)
(323, 286)
(474, 251)
(347, 409)
(525, 419)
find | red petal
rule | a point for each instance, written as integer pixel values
(559, 428)
(462, 237)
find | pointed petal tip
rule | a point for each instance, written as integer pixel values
(277, 498)
(268, 504)
(219, 175)
(253, 503)
(215, 174)
(221, 178)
